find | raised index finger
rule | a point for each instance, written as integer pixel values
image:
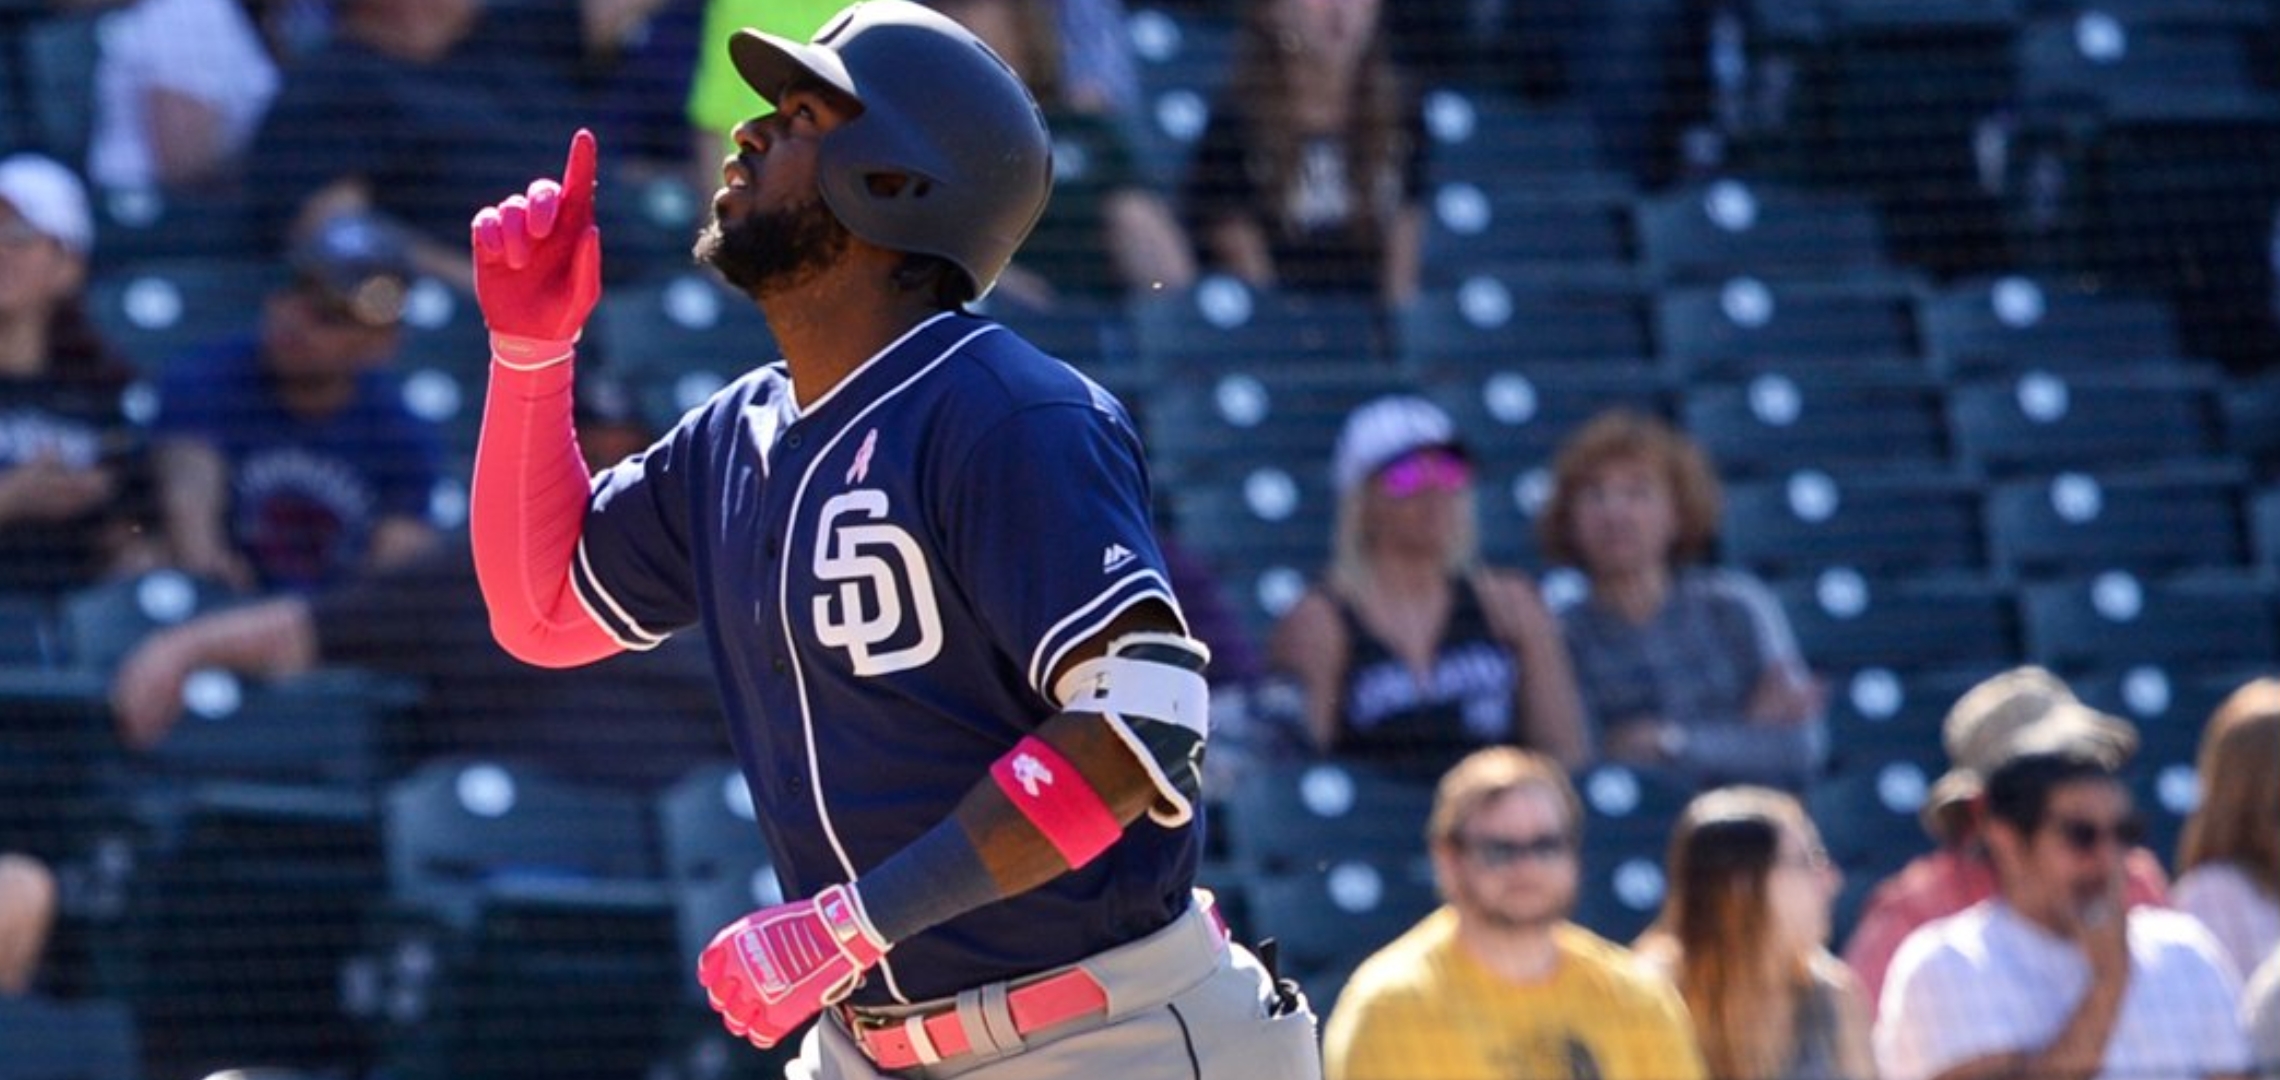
(578, 181)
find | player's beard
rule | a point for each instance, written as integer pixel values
(770, 251)
(1508, 914)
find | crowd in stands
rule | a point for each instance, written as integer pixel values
(1510, 418)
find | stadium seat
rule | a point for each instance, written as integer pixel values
(443, 330)
(1472, 225)
(677, 340)
(29, 633)
(49, 1039)
(2169, 706)
(2264, 529)
(1632, 803)
(1710, 232)
(103, 622)
(137, 225)
(1508, 494)
(1879, 714)
(1518, 316)
(1245, 415)
(1265, 526)
(648, 223)
(1878, 522)
(1868, 819)
(59, 756)
(1326, 922)
(1517, 414)
(155, 311)
(1181, 56)
(2081, 521)
(718, 868)
(1094, 336)
(2117, 619)
(1845, 620)
(2016, 322)
(1823, 417)
(1491, 139)
(526, 927)
(2043, 421)
(1220, 321)
(1621, 887)
(2105, 60)
(2252, 423)
(1746, 322)
(1302, 818)
(58, 55)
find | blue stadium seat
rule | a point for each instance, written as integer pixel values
(2043, 421)
(137, 225)
(1748, 322)
(1219, 321)
(677, 340)
(1472, 225)
(2107, 61)
(158, 310)
(1832, 418)
(1521, 316)
(2080, 521)
(1879, 714)
(1709, 232)
(1493, 139)
(1518, 414)
(2117, 619)
(30, 635)
(1181, 56)
(1326, 922)
(1301, 818)
(1266, 526)
(1880, 522)
(1621, 887)
(48, 1039)
(718, 869)
(1993, 325)
(1845, 619)
(102, 623)
(2252, 422)
(1244, 415)
(1094, 336)
(2264, 529)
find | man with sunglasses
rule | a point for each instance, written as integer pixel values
(287, 459)
(1498, 983)
(2057, 978)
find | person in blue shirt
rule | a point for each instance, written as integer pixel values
(286, 458)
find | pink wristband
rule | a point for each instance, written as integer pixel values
(1055, 797)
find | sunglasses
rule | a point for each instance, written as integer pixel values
(1496, 852)
(1426, 470)
(2083, 837)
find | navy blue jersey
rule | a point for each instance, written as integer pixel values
(889, 578)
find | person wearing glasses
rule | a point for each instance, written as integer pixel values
(1498, 982)
(2002, 716)
(1412, 652)
(1684, 668)
(287, 459)
(2056, 976)
(1744, 933)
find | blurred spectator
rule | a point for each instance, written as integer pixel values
(2023, 709)
(1310, 173)
(1744, 933)
(2057, 976)
(27, 911)
(2260, 1014)
(1104, 232)
(1682, 667)
(2228, 861)
(1498, 983)
(639, 720)
(1413, 652)
(1099, 73)
(406, 112)
(179, 89)
(71, 483)
(287, 459)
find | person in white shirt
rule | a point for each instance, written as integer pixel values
(179, 90)
(2228, 860)
(2055, 978)
(2260, 1014)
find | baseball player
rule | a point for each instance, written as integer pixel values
(961, 689)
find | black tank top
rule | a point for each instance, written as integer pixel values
(1387, 715)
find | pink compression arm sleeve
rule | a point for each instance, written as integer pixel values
(526, 509)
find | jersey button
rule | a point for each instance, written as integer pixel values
(779, 665)
(792, 440)
(772, 549)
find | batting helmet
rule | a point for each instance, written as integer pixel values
(940, 111)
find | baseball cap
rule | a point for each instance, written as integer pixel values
(1386, 430)
(2020, 711)
(50, 198)
(359, 262)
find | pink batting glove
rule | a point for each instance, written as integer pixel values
(538, 264)
(773, 970)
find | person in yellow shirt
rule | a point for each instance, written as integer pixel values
(1497, 984)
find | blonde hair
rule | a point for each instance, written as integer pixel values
(1625, 435)
(1489, 774)
(2238, 820)
(1717, 915)
(1350, 574)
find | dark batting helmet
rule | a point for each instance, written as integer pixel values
(940, 111)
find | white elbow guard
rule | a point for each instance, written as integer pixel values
(1150, 689)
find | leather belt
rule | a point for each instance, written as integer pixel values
(926, 1038)
(897, 1043)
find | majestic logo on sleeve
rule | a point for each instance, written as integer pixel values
(873, 562)
(1031, 773)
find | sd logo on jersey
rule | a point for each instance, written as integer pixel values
(868, 607)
